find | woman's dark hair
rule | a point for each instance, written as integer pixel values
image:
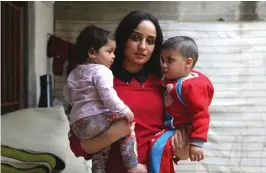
(125, 29)
(91, 37)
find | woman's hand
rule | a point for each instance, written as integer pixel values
(119, 129)
(180, 144)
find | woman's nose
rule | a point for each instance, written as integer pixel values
(142, 45)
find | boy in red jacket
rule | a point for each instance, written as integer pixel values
(188, 93)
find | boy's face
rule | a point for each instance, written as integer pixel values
(174, 65)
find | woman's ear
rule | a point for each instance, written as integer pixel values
(92, 53)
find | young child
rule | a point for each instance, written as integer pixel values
(188, 92)
(94, 101)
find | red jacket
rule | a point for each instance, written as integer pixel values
(187, 100)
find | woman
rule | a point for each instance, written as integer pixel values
(137, 82)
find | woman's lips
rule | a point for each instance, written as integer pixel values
(140, 55)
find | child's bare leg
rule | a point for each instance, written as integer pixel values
(130, 156)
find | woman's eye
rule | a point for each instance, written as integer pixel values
(135, 38)
(151, 41)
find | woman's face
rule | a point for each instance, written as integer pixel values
(140, 44)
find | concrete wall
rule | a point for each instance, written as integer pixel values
(232, 54)
(71, 17)
(165, 10)
(41, 22)
(42, 15)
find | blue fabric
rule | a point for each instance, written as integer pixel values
(168, 121)
(157, 151)
(179, 90)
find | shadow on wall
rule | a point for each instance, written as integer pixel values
(248, 11)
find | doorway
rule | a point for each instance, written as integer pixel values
(14, 61)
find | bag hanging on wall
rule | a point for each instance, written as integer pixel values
(46, 91)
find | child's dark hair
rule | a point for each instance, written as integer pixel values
(91, 37)
(123, 32)
(186, 45)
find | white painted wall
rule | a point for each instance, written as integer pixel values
(41, 22)
(185, 11)
(233, 56)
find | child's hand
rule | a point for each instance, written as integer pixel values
(196, 153)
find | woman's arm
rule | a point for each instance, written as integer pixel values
(119, 128)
